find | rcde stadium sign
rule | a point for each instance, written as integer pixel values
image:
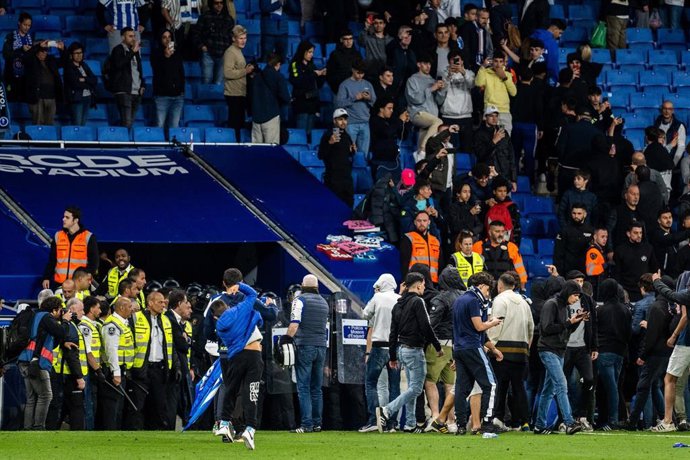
(90, 165)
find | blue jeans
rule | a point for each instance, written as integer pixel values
(359, 132)
(609, 367)
(80, 111)
(525, 137)
(309, 369)
(168, 111)
(414, 362)
(555, 384)
(671, 16)
(211, 69)
(378, 360)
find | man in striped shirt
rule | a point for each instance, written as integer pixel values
(115, 15)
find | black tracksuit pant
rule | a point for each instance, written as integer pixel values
(472, 365)
(653, 369)
(580, 358)
(242, 375)
(510, 374)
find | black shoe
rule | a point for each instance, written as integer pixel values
(541, 431)
(629, 425)
(488, 427)
(683, 426)
(317, 429)
(475, 432)
(439, 427)
(573, 428)
(461, 431)
(419, 429)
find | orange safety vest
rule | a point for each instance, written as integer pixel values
(424, 252)
(595, 261)
(70, 255)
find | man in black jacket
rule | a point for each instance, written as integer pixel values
(652, 357)
(269, 95)
(168, 82)
(533, 15)
(665, 243)
(126, 76)
(555, 327)
(623, 215)
(386, 131)
(493, 146)
(43, 83)
(411, 330)
(573, 240)
(341, 60)
(633, 259)
(336, 150)
(180, 397)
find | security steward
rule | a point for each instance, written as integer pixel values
(420, 247)
(596, 266)
(67, 381)
(90, 328)
(72, 247)
(139, 277)
(82, 280)
(180, 397)
(465, 259)
(155, 365)
(128, 289)
(118, 357)
(500, 256)
(116, 274)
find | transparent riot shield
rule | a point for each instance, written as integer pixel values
(351, 340)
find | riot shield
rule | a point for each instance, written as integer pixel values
(351, 341)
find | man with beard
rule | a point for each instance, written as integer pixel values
(632, 259)
(665, 243)
(573, 240)
(119, 272)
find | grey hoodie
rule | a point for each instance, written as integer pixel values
(420, 98)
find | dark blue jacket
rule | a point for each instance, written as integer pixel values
(269, 93)
(236, 324)
(273, 24)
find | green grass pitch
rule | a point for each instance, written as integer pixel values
(339, 445)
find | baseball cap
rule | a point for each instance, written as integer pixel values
(407, 177)
(310, 281)
(490, 109)
(339, 113)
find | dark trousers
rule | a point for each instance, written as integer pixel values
(237, 109)
(180, 397)
(242, 375)
(156, 406)
(127, 105)
(524, 136)
(580, 358)
(653, 369)
(472, 365)
(68, 401)
(137, 387)
(343, 188)
(511, 375)
(111, 406)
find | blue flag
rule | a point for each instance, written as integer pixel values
(205, 391)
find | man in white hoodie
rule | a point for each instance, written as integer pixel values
(379, 313)
(456, 106)
(513, 337)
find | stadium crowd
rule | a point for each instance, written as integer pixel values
(605, 334)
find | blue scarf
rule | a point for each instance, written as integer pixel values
(17, 44)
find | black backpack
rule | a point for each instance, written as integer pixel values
(19, 334)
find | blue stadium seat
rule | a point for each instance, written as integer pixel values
(580, 12)
(680, 101)
(619, 101)
(96, 49)
(241, 6)
(550, 225)
(523, 185)
(545, 247)
(637, 121)
(297, 137)
(192, 71)
(670, 37)
(644, 101)
(293, 29)
(655, 91)
(685, 59)
(100, 113)
(359, 160)
(538, 205)
(662, 58)
(602, 56)
(557, 12)
(293, 150)
(148, 134)
(199, 115)
(47, 24)
(615, 78)
(78, 133)
(113, 134)
(526, 247)
(681, 80)
(632, 68)
(519, 199)
(653, 79)
(463, 162)
(219, 135)
(536, 266)
(574, 36)
(146, 69)
(634, 36)
(42, 133)
(358, 198)
(253, 26)
(8, 22)
(317, 171)
(636, 137)
(683, 91)
(58, 6)
(363, 180)
(95, 66)
(630, 56)
(209, 93)
(531, 227)
(622, 92)
(309, 159)
(186, 134)
(316, 135)
(313, 29)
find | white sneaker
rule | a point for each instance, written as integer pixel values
(368, 428)
(663, 427)
(500, 424)
(562, 428)
(586, 426)
(226, 431)
(452, 427)
(248, 437)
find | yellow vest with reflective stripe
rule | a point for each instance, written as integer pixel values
(465, 269)
(114, 279)
(125, 349)
(58, 358)
(81, 295)
(141, 300)
(142, 337)
(188, 331)
(95, 339)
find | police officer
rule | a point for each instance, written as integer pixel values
(465, 259)
(179, 313)
(119, 272)
(572, 241)
(118, 356)
(90, 328)
(70, 366)
(595, 260)
(154, 365)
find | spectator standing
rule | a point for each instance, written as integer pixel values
(573, 241)
(336, 150)
(212, 36)
(465, 259)
(402, 60)
(423, 95)
(179, 16)
(476, 42)
(305, 81)
(17, 44)
(493, 147)
(577, 194)
(440, 60)
(526, 110)
(624, 215)
(498, 87)
(43, 83)
(374, 40)
(665, 243)
(500, 256)
(235, 72)
(456, 103)
(341, 61)
(116, 15)
(127, 77)
(504, 210)
(385, 88)
(80, 84)
(463, 214)
(617, 14)
(674, 130)
(550, 37)
(657, 155)
(168, 82)
(638, 159)
(633, 259)
(534, 15)
(274, 28)
(269, 95)
(672, 13)
(357, 96)
(386, 131)
(651, 201)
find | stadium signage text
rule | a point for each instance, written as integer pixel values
(90, 165)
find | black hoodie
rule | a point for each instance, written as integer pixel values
(441, 310)
(429, 290)
(410, 325)
(613, 320)
(554, 326)
(658, 331)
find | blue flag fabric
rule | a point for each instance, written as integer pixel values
(205, 391)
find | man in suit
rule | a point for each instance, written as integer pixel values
(179, 312)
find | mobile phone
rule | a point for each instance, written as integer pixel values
(501, 318)
(171, 46)
(439, 78)
(52, 43)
